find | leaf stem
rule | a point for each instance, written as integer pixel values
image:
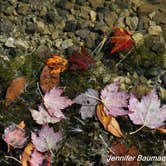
(137, 129)
(94, 97)
(13, 159)
(38, 88)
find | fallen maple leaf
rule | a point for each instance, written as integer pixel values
(47, 80)
(147, 112)
(14, 136)
(80, 61)
(43, 117)
(46, 139)
(109, 122)
(14, 90)
(113, 100)
(88, 103)
(121, 40)
(57, 64)
(54, 102)
(118, 149)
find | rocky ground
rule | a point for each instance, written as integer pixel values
(39, 28)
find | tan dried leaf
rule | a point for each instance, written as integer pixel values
(47, 80)
(15, 89)
(109, 122)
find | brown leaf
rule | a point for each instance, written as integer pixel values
(109, 122)
(14, 90)
(27, 154)
(128, 155)
(47, 80)
(162, 129)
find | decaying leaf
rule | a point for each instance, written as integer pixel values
(26, 154)
(43, 117)
(14, 90)
(57, 64)
(15, 136)
(148, 111)
(47, 80)
(54, 102)
(109, 122)
(121, 40)
(113, 100)
(88, 103)
(118, 149)
(46, 139)
(80, 61)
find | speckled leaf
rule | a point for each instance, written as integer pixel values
(54, 102)
(148, 111)
(46, 139)
(114, 101)
(47, 80)
(14, 90)
(88, 103)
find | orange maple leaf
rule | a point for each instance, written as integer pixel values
(57, 64)
(121, 40)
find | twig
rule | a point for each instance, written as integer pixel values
(137, 129)
(13, 159)
(38, 88)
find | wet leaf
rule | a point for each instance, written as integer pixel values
(148, 111)
(113, 100)
(88, 103)
(80, 61)
(54, 102)
(121, 40)
(57, 64)
(15, 136)
(46, 139)
(43, 117)
(47, 80)
(14, 90)
(118, 149)
(109, 122)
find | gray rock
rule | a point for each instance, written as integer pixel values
(120, 22)
(10, 42)
(132, 22)
(67, 43)
(155, 30)
(110, 18)
(83, 33)
(96, 3)
(23, 8)
(145, 9)
(43, 52)
(90, 40)
(58, 42)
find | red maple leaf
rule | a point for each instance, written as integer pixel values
(121, 40)
(80, 60)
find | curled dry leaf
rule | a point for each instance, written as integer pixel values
(14, 90)
(121, 40)
(118, 149)
(32, 157)
(47, 80)
(57, 64)
(26, 154)
(15, 135)
(109, 122)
